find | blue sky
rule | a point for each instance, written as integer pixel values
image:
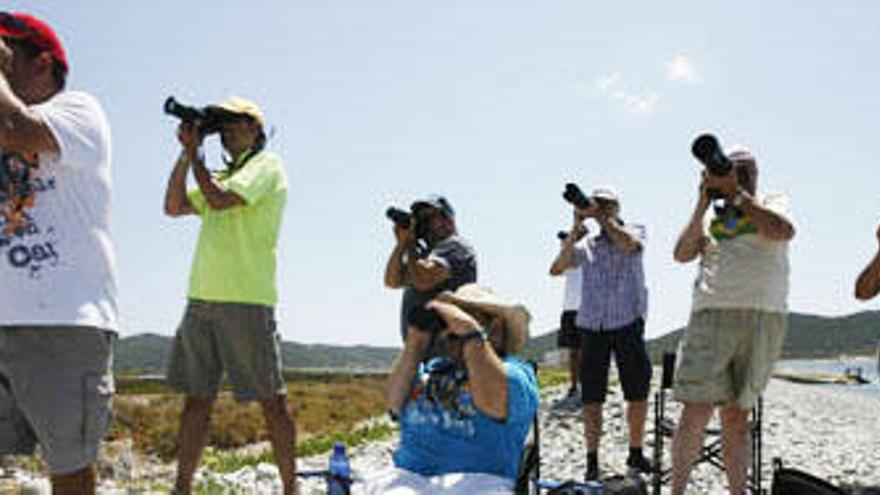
(495, 104)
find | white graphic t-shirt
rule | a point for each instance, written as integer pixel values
(57, 265)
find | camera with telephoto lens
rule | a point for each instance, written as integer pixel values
(400, 217)
(207, 120)
(405, 219)
(576, 197)
(707, 150)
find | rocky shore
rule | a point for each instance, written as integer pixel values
(831, 433)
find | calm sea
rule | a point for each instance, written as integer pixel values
(838, 367)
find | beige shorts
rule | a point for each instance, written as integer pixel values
(727, 355)
(239, 339)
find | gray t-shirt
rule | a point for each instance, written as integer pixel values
(455, 253)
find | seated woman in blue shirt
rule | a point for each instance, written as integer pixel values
(465, 414)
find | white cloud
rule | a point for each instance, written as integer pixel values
(681, 68)
(643, 102)
(607, 82)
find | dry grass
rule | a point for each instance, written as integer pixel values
(324, 405)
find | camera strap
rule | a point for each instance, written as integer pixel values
(233, 166)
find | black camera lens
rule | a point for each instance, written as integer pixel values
(576, 197)
(208, 122)
(707, 150)
(400, 217)
(562, 235)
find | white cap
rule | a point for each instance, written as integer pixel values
(739, 153)
(607, 193)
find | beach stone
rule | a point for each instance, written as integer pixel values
(828, 432)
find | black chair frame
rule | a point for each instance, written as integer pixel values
(711, 452)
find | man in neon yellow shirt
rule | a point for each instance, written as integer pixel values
(229, 321)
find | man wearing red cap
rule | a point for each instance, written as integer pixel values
(58, 301)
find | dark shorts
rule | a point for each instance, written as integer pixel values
(630, 355)
(569, 334)
(238, 338)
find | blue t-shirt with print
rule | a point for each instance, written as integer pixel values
(441, 431)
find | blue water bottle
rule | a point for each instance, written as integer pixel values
(340, 471)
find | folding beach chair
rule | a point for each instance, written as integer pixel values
(664, 428)
(530, 462)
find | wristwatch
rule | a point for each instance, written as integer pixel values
(478, 333)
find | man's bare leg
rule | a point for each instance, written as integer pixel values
(194, 421)
(592, 435)
(82, 482)
(735, 447)
(574, 366)
(636, 414)
(282, 435)
(688, 441)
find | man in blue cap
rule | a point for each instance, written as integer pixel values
(448, 262)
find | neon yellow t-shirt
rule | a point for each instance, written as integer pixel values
(236, 252)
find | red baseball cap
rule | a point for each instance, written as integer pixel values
(28, 27)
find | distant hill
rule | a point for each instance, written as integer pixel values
(809, 336)
(148, 354)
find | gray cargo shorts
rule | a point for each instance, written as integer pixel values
(55, 388)
(217, 336)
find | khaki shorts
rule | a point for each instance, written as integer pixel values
(238, 338)
(727, 355)
(55, 388)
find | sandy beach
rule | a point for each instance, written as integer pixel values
(829, 432)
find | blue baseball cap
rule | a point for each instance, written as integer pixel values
(434, 201)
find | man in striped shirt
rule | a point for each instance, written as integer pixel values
(611, 319)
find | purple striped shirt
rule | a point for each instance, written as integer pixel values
(613, 291)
